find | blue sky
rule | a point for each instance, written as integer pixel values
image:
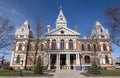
(81, 13)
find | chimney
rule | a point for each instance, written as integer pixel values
(76, 28)
(48, 28)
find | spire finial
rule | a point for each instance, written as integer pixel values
(60, 7)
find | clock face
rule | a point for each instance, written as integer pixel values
(62, 32)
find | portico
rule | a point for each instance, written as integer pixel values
(63, 60)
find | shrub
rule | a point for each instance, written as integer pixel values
(38, 69)
(95, 68)
(8, 68)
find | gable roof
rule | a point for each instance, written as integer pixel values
(65, 30)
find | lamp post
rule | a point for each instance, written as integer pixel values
(21, 63)
(80, 60)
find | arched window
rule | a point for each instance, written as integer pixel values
(82, 46)
(62, 45)
(104, 47)
(39, 59)
(101, 30)
(20, 47)
(89, 47)
(106, 59)
(94, 47)
(29, 47)
(87, 59)
(48, 43)
(54, 44)
(42, 47)
(70, 44)
(18, 59)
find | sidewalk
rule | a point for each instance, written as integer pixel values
(63, 74)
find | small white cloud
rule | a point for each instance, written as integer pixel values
(16, 12)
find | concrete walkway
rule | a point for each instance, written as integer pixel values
(64, 74)
(67, 74)
(74, 74)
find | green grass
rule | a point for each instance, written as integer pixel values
(110, 72)
(14, 72)
(9, 73)
(4, 72)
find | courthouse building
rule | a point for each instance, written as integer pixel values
(62, 47)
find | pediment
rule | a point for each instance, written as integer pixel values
(62, 31)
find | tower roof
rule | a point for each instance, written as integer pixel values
(61, 20)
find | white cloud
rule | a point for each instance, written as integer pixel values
(16, 12)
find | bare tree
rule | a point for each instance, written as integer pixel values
(40, 30)
(113, 15)
(2, 59)
(6, 34)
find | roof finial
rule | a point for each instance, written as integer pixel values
(60, 7)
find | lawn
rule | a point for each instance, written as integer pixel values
(13, 72)
(24, 73)
(110, 72)
(104, 73)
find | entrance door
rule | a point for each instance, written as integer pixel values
(72, 60)
(53, 61)
(62, 61)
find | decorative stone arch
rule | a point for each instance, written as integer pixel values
(53, 45)
(104, 46)
(82, 46)
(70, 44)
(89, 47)
(39, 59)
(18, 59)
(62, 44)
(20, 47)
(42, 46)
(87, 59)
(106, 59)
(30, 46)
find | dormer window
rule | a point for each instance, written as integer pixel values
(22, 29)
(101, 30)
(102, 36)
(21, 35)
(61, 18)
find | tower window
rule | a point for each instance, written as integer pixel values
(18, 59)
(61, 18)
(106, 59)
(101, 30)
(22, 29)
(89, 48)
(29, 47)
(104, 47)
(82, 46)
(94, 46)
(42, 47)
(20, 47)
(102, 36)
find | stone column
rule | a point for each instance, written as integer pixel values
(49, 62)
(57, 62)
(77, 59)
(68, 61)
